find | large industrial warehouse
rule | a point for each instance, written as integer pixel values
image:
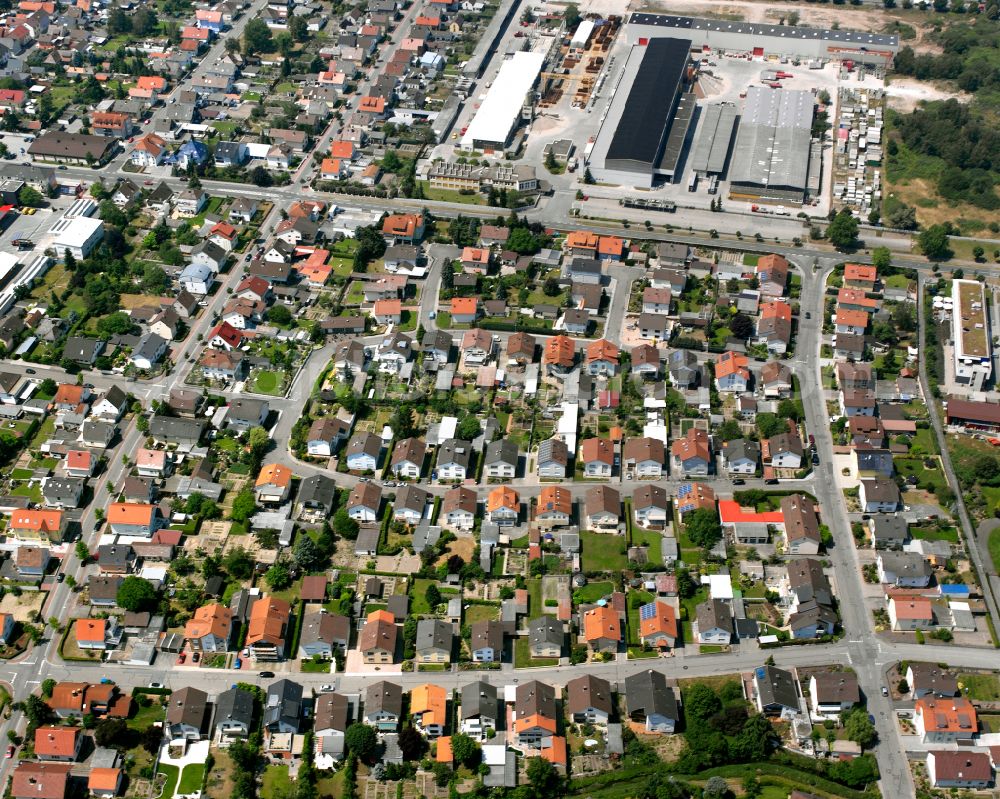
(643, 133)
(767, 40)
(500, 112)
(773, 144)
(711, 148)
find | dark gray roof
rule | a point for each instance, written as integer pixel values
(434, 634)
(411, 498)
(384, 696)
(234, 705)
(244, 409)
(187, 706)
(480, 699)
(318, 489)
(546, 630)
(169, 428)
(454, 450)
(501, 451)
(889, 529)
(283, 705)
(647, 693)
(63, 490)
(714, 613)
(776, 687)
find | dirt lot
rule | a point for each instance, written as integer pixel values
(464, 547)
(21, 607)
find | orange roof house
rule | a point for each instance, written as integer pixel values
(104, 781)
(502, 497)
(560, 352)
(602, 350)
(90, 633)
(405, 227)
(854, 319)
(776, 310)
(428, 706)
(268, 627)
(57, 743)
(274, 474)
(945, 720)
(579, 240)
(860, 275)
(475, 258)
(602, 629)
(210, 628)
(554, 501)
(387, 310)
(68, 395)
(732, 363)
(152, 82)
(372, 105)
(857, 299)
(333, 168)
(610, 247)
(658, 624)
(597, 450)
(464, 309)
(34, 525)
(342, 149)
(694, 445)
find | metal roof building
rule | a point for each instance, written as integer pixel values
(497, 117)
(715, 136)
(767, 40)
(771, 156)
(644, 129)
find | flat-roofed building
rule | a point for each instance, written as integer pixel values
(970, 333)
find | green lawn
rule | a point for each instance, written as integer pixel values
(591, 592)
(897, 281)
(32, 492)
(146, 716)
(602, 552)
(171, 785)
(476, 613)
(932, 480)
(982, 687)
(407, 322)
(449, 196)
(536, 608)
(934, 534)
(924, 442)
(312, 667)
(443, 320)
(267, 382)
(276, 782)
(995, 549)
(650, 539)
(21, 474)
(750, 259)
(342, 267)
(418, 602)
(192, 778)
(285, 88)
(633, 615)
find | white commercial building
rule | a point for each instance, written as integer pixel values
(497, 117)
(79, 235)
(970, 333)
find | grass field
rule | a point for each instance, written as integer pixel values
(927, 479)
(418, 602)
(984, 687)
(934, 534)
(650, 539)
(171, 772)
(145, 716)
(994, 544)
(475, 613)
(591, 592)
(924, 442)
(449, 196)
(276, 782)
(192, 778)
(267, 382)
(602, 552)
(536, 608)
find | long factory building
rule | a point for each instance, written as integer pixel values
(506, 104)
(642, 135)
(766, 41)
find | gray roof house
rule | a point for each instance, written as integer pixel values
(245, 413)
(545, 637)
(317, 494)
(553, 458)
(82, 350)
(183, 433)
(233, 714)
(684, 369)
(434, 640)
(501, 459)
(383, 706)
(323, 633)
(283, 707)
(187, 713)
(651, 702)
(63, 492)
(774, 692)
(480, 708)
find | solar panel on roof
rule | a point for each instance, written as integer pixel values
(647, 611)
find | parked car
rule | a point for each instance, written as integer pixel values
(267, 674)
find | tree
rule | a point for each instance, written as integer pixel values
(903, 217)
(47, 687)
(843, 230)
(81, 551)
(934, 243)
(48, 387)
(468, 428)
(465, 750)
(411, 744)
(756, 741)
(30, 196)
(155, 280)
(259, 176)
(152, 737)
(360, 739)
(243, 506)
(111, 732)
(256, 37)
(136, 594)
(298, 27)
(37, 710)
(344, 525)
(571, 16)
(715, 788)
(859, 728)
(258, 442)
(391, 162)
(703, 528)
(238, 563)
(700, 701)
(279, 315)
(741, 325)
(278, 577)
(306, 554)
(882, 258)
(543, 777)
(523, 242)
(433, 596)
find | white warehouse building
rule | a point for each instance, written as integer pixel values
(505, 102)
(79, 235)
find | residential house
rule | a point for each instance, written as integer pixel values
(486, 641)
(210, 629)
(692, 455)
(434, 641)
(802, 534)
(501, 460)
(945, 721)
(268, 629)
(377, 641)
(598, 457)
(714, 619)
(658, 625)
(428, 708)
(732, 373)
(407, 461)
(833, 692)
(589, 700)
(283, 707)
(480, 709)
(458, 508)
(552, 458)
(273, 484)
(650, 506)
(602, 629)
(187, 714)
(651, 703)
(545, 637)
(454, 460)
(503, 506)
(364, 502)
(533, 717)
(233, 715)
(602, 508)
(775, 694)
(554, 508)
(644, 457)
(879, 495)
(383, 706)
(363, 451)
